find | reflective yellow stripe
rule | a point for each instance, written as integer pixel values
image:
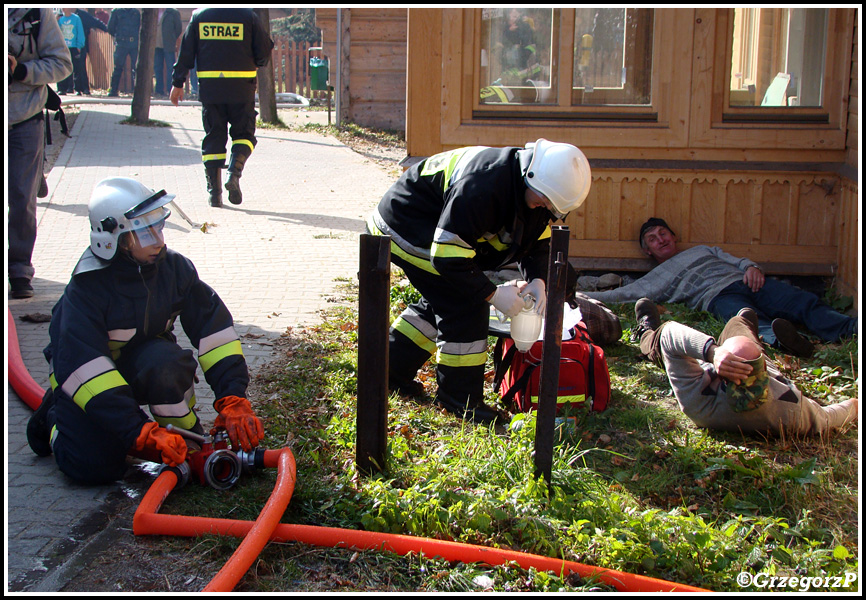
(545, 234)
(97, 385)
(421, 263)
(417, 338)
(462, 360)
(562, 399)
(226, 74)
(245, 142)
(450, 251)
(207, 157)
(217, 354)
(495, 242)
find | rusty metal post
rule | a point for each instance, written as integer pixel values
(551, 352)
(373, 321)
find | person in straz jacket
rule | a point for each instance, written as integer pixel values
(451, 217)
(226, 46)
(113, 348)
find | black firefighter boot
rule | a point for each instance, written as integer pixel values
(233, 184)
(214, 185)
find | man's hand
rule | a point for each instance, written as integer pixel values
(176, 95)
(157, 440)
(728, 365)
(754, 278)
(237, 418)
(536, 289)
(507, 300)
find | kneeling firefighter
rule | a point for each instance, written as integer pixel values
(451, 217)
(113, 349)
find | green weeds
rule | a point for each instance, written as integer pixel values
(636, 488)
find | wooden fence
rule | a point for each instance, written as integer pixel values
(290, 61)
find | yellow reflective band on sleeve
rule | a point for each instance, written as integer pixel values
(450, 251)
(226, 74)
(417, 338)
(545, 234)
(563, 399)
(221, 31)
(462, 360)
(217, 354)
(207, 157)
(244, 143)
(97, 385)
(444, 161)
(421, 263)
(495, 242)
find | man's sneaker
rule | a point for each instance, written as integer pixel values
(752, 317)
(21, 287)
(477, 412)
(646, 314)
(38, 428)
(410, 389)
(790, 340)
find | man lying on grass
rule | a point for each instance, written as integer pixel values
(732, 385)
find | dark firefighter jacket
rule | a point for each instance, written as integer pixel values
(225, 45)
(104, 311)
(462, 212)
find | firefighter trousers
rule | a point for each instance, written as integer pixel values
(444, 324)
(161, 375)
(221, 121)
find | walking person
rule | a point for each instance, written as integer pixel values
(225, 46)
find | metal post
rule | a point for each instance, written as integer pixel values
(373, 319)
(551, 352)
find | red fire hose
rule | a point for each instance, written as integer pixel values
(148, 521)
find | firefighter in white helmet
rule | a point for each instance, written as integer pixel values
(113, 348)
(452, 217)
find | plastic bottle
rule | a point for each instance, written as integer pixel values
(526, 326)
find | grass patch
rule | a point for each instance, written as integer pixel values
(636, 488)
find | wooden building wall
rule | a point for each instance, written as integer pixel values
(784, 195)
(373, 64)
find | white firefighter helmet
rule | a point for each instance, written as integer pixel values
(120, 205)
(560, 172)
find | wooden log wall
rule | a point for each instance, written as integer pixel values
(788, 223)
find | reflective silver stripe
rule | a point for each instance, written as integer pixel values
(468, 155)
(462, 348)
(176, 410)
(121, 335)
(442, 236)
(86, 372)
(215, 340)
(425, 328)
(386, 229)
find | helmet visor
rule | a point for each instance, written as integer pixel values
(147, 228)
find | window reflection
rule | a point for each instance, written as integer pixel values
(516, 55)
(613, 56)
(778, 56)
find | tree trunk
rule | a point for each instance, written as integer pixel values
(144, 67)
(267, 88)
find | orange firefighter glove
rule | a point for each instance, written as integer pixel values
(237, 418)
(155, 440)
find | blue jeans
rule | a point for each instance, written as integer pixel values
(778, 300)
(163, 63)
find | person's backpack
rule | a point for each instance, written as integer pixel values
(584, 378)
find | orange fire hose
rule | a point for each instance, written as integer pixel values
(148, 521)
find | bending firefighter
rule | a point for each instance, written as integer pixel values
(113, 349)
(451, 217)
(225, 46)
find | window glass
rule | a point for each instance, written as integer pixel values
(612, 56)
(777, 56)
(516, 47)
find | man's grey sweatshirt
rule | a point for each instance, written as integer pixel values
(693, 277)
